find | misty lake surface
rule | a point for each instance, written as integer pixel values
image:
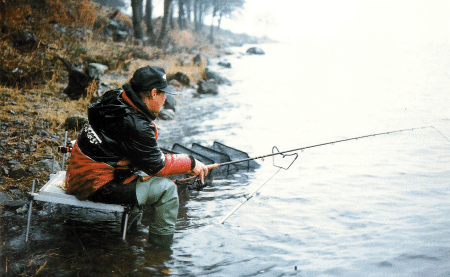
(376, 206)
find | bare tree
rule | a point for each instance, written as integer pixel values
(171, 20)
(229, 10)
(200, 8)
(163, 32)
(223, 8)
(112, 3)
(188, 5)
(136, 7)
(148, 19)
(196, 15)
(181, 14)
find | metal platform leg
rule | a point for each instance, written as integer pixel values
(30, 210)
(125, 222)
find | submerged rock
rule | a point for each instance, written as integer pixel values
(170, 103)
(255, 51)
(166, 114)
(208, 87)
(225, 64)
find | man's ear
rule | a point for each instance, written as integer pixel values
(154, 92)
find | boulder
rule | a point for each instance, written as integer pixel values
(180, 77)
(17, 171)
(44, 165)
(170, 103)
(120, 36)
(255, 51)
(25, 38)
(216, 76)
(197, 60)
(166, 114)
(175, 84)
(225, 64)
(208, 87)
(15, 204)
(4, 171)
(96, 69)
(4, 197)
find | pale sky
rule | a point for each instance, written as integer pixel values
(412, 18)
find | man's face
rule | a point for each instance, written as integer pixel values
(156, 101)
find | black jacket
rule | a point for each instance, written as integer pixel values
(117, 131)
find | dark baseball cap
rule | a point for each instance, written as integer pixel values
(149, 77)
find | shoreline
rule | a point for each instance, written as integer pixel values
(33, 126)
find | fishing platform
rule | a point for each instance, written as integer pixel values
(53, 191)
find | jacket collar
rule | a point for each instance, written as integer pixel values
(133, 100)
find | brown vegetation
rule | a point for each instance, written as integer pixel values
(32, 79)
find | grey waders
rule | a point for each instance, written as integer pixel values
(160, 195)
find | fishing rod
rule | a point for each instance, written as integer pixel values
(284, 153)
(249, 196)
(321, 144)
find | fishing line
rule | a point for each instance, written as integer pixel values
(440, 133)
(246, 198)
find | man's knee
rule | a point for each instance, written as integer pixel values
(161, 195)
(156, 191)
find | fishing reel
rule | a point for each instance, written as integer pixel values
(192, 183)
(68, 148)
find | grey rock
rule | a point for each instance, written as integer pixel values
(15, 191)
(170, 103)
(4, 197)
(166, 114)
(181, 77)
(216, 76)
(208, 87)
(17, 171)
(14, 204)
(99, 67)
(197, 59)
(120, 36)
(225, 64)
(45, 165)
(255, 51)
(22, 209)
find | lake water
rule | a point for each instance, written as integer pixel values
(377, 206)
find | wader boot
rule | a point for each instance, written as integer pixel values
(160, 195)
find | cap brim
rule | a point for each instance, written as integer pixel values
(169, 90)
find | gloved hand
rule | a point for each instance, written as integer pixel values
(202, 170)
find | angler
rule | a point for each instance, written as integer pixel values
(119, 140)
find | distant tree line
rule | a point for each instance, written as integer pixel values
(193, 11)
